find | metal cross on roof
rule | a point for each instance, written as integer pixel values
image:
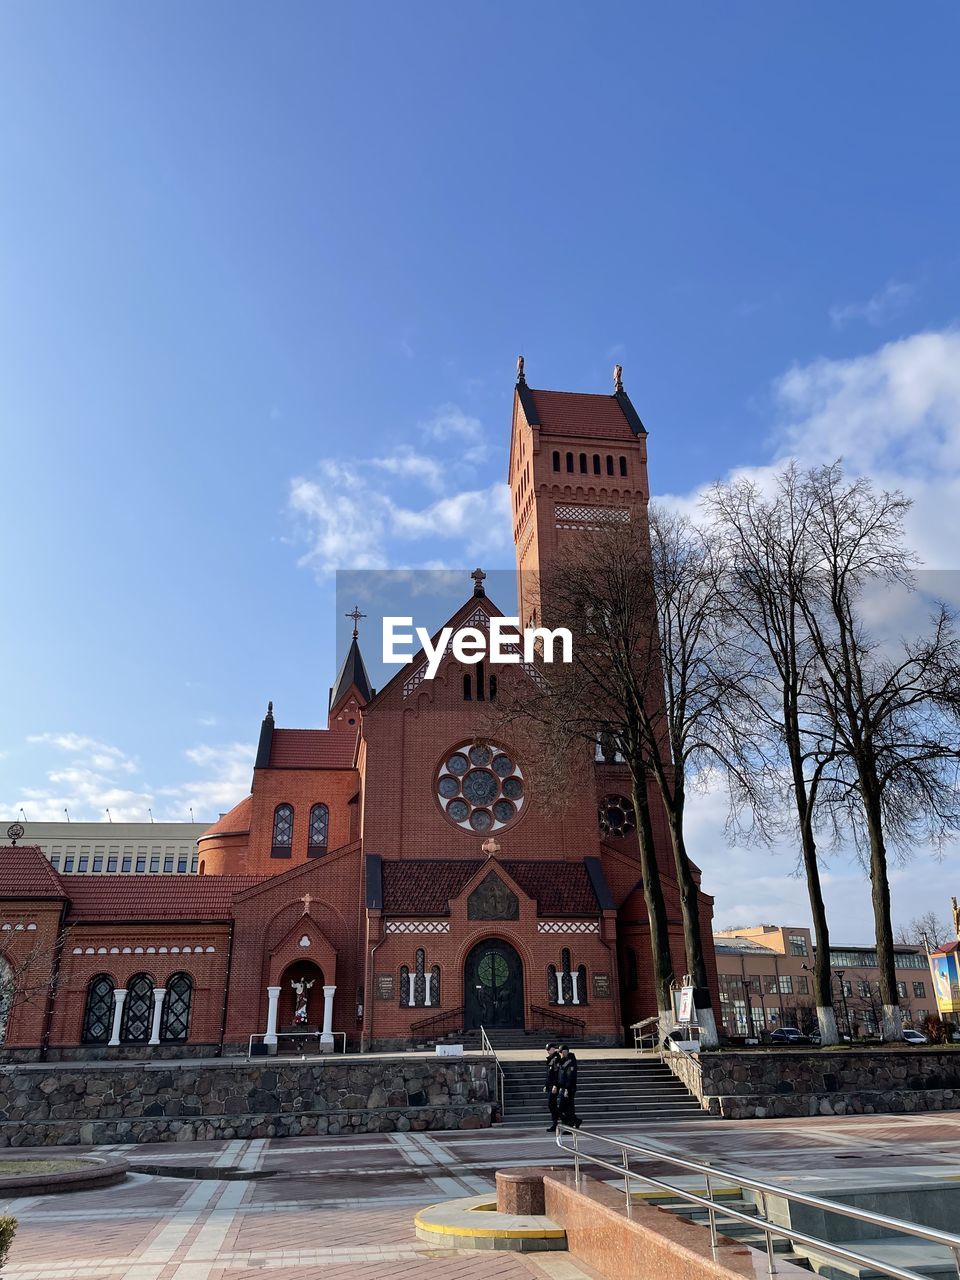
(356, 615)
(478, 576)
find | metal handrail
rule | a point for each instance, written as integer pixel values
(676, 1048)
(449, 1015)
(559, 1020)
(770, 1229)
(487, 1047)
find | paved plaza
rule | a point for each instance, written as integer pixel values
(329, 1208)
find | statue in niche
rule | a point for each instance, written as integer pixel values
(493, 900)
(301, 990)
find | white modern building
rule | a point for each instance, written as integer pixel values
(116, 848)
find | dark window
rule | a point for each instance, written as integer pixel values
(467, 695)
(798, 945)
(175, 1016)
(435, 985)
(168, 864)
(480, 682)
(420, 979)
(182, 865)
(55, 862)
(98, 862)
(919, 990)
(319, 826)
(569, 461)
(282, 831)
(155, 864)
(68, 863)
(137, 1010)
(493, 686)
(556, 460)
(596, 464)
(583, 463)
(112, 863)
(141, 864)
(623, 466)
(83, 863)
(404, 987)
(98, 1013)
(127, 865)
(609, 464)
(553, 990)
(582, 983)
(193, 863)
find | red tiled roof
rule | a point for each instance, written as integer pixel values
(574, 413)
(237, 821)
(26, 873)
(425, 886)
(199, 898)
(312, 749)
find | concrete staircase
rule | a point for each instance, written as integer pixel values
(618, 1091)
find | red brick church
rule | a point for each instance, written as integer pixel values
(391, 878)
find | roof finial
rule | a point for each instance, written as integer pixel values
(478, 576)
(356, 615)
(269, 710)
(617, 378)
(521, 380)
(14, 832)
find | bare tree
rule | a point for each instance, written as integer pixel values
(29, 968)
(894, 711)
(768, 561)
(927, 930)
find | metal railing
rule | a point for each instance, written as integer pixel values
(666, 1050)
(487, 1047)
(449, 1020)
(712, 1174)
(554, 1021)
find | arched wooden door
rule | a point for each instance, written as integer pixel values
(493, 985)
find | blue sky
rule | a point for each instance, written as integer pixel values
(265, 271)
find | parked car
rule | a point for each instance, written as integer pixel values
(788, 1035)
(915, 1037)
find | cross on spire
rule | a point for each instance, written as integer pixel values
(478, 576)
(356, 615)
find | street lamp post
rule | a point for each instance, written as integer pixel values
(843, 997)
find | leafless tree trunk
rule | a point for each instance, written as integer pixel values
(767, 561)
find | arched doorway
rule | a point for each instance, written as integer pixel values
(301, 971)
(493, 985)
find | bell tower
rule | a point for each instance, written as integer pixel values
(577, 462)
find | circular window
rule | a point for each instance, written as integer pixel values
(480, 787)
(616, 816)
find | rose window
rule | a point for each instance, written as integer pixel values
(616, 816)
(480, 787)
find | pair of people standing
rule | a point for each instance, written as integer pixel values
(561, 1087)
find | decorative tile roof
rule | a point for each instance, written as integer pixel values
(197, 899)
(26, 873)
(236, 822)
(313, 749)
(420, 886)
(574, 413)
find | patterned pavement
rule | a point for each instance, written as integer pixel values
(332, 1208)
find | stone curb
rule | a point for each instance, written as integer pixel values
(99, 1173)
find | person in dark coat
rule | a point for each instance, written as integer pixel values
(551, 1086)
(568, 1088)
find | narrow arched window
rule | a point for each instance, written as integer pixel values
(623, 466)
(435, 984)
(319, 825)
(582, 983)
(556, 459)
(137, 1010)
(569, 461)
(175, 1016)
(404, 987)
(98, 1011)
(467, 695)
(609, 464)
(420, 979)
(596, 464)
(553, 991)
(583, 463)
(493, 686)
(282, 831)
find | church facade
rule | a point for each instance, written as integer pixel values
(392, 878)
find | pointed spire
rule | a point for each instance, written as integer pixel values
(353, 674)
(265, 745)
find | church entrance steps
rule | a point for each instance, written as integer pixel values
(611, 1091)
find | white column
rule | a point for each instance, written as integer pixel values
(428, 987)
(273, 996)
(158, 994)
(412, 997)
(119, 995)
(575, 986)
(326, 1036)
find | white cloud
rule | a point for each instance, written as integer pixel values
(877, 309)
(95, 782)
(450, 422)
(410, 465)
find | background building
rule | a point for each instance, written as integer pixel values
(766, 982)
(117, 848)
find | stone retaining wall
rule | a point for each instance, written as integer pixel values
(748, 1086)
(47, 1105)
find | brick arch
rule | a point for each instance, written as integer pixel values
(519, 945)
(288, 951)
